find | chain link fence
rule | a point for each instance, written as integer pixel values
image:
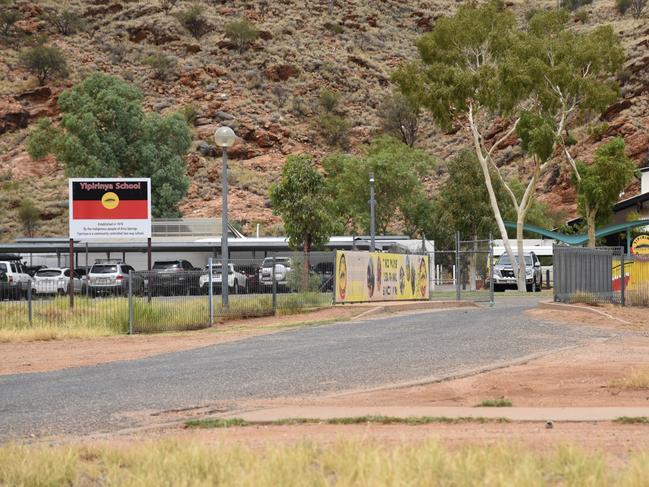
(463, 273)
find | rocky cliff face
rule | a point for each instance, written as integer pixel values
(268, 94)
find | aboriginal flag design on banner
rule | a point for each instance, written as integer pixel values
(110, 201)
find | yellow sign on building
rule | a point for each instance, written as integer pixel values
(376, 276)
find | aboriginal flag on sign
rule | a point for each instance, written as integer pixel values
(110, 200)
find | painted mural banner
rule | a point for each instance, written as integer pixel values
(110, 208)
(378, 276)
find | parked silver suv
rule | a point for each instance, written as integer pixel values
(110, 277)
(503, 273)
(283, 267)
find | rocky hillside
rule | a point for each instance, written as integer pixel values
(269, 93)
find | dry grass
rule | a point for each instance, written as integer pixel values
(345, 463)
(637, 380)
(53, 319)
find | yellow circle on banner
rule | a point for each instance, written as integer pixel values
(342, 277)
(110, 200)
(640, 246)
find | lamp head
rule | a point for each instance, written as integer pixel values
(224, 137)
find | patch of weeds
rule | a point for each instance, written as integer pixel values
(495, 403)
(410, 420)
(637, 380)
(632, 420)
(216, 423)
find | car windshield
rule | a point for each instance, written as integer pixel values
(504, 260)
(49, 273)
(166, 265)
(103, 269)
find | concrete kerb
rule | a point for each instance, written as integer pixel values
(401, 307)
(574, 307)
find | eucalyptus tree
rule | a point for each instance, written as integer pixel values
(508, 84)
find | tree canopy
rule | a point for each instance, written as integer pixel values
(300, 198)
(599, 184)
(398, 171)
(479, 68)
(104, 132)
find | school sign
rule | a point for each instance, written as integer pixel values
(110, 208)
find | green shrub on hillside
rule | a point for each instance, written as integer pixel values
(163, 66)
(334, 129)
(8, 17)
(242, 33)
(66, 22)
(622, 5)
(44, 62)
(193, 20)
(573, 5)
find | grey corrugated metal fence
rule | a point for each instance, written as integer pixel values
(585, 274)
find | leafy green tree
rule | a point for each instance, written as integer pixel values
(29, 216)
(242, 33)
(599, 185)
(300, 198)
(478, 68)
(105, 133)
(398, 171)
(45, 62)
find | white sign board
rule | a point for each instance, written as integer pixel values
(104, 208)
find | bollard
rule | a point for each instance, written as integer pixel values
(29, 301)
(130, 302)
(274, 288)
(210, 291)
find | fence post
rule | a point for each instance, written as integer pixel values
(210, 291)
(458, 292)
(29, 301)
(623, 281)
(274, 288)
(491, 270)
(130, 302)
(334, 277)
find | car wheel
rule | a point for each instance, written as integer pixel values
(236, 287)
(61, 292)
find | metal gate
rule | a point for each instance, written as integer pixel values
(463, 272)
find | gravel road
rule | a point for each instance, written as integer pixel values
(313, 360)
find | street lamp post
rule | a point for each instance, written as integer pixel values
(372, 216)
(224, 138)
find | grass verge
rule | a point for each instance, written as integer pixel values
(54, 319)
(305, 463)
(495, 403)
(409, 420)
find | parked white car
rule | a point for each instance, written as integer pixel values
(14, 280)
(283, 267)
(236, 280)
(56, 281)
